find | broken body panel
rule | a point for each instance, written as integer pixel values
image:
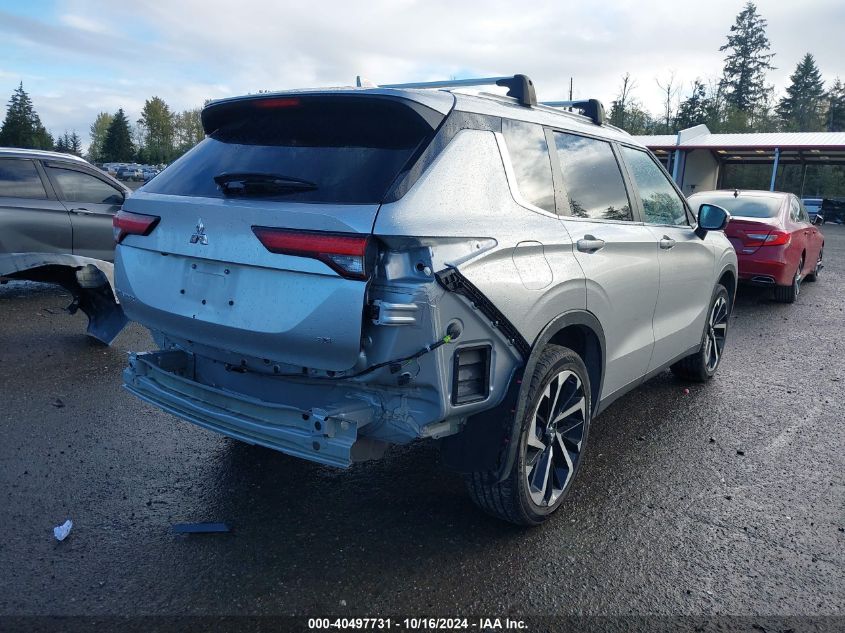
(89, 281)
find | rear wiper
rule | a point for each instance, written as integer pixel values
(256, 183)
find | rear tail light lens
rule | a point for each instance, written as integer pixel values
(125, 223)
(771, 238)
(348, 254)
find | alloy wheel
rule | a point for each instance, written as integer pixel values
(797, 281)
(717, 329)
(555, 437)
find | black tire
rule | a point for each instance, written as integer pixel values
(562, 371)
(700, 367)
(814, 276)
(788, 294)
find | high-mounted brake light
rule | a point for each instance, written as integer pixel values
(771, 238)
(345, 253)
(279, 102)
(126, 223)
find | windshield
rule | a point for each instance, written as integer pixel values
(347, 150)
(745, 206)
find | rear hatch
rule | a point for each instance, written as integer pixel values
(261, 246)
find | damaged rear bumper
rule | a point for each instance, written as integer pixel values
(329, 436)
(90, 282)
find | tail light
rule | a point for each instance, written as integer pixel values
(279, 102)
(770, 238)
(348, 254)
(125, 223)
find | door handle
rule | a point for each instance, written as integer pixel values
(589, 244)
(81, 211)
(666, 242)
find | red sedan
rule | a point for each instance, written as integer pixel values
(775, 242)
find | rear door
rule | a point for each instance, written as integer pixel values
(91, 202)
(804, 233)
(686, 261)
(815, 236)
(616, 252)
(31, 219)
(262, 248)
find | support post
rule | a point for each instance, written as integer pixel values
(803, 173)
(675, 167)
(775, 169)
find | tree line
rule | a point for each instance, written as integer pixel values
(741, 99)
(159, 136)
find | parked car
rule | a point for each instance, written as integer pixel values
(775, 241)
(349, 269)
(833, 210)
(149, 173)
(813, 206)
(128, 172)
(56, 215)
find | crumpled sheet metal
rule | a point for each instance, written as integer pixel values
(90, 281)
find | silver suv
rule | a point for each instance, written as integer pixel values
(334, 271)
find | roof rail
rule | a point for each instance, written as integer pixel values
(519, 86)
(591, 108)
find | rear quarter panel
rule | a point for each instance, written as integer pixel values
(521, 259)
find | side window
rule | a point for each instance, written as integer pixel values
(794, 210)
(77, 186)
(20, 179)
(805, 217)
(532, 166)
(592, 178)
(661, 202)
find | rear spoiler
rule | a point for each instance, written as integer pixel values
(430, 105)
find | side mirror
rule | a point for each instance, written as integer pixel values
(818, 220)
(711, 218)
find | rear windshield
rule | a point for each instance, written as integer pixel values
(347, 149)
(744, 206)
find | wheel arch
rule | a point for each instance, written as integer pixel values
(490, 439)
(90, 282)
(728, 280)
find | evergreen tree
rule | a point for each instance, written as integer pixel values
(801, 109)
(748, 59)
(22, 126)
(117, 146)
(99, 129)
(74, 144)
(694, 109)
(836, 107)
(60, 144)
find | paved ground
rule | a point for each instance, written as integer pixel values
(726, 500)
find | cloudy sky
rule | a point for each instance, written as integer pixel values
(79, 57)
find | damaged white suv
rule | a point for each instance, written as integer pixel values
(333, 271)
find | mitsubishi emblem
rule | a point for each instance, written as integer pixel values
(199, 237)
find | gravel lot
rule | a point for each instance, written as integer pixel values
(729, 499)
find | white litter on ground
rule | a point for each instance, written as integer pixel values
(61, 531)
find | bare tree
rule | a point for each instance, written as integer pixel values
(671, 90)
(622, 102)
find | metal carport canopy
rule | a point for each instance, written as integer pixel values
(776, 148)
